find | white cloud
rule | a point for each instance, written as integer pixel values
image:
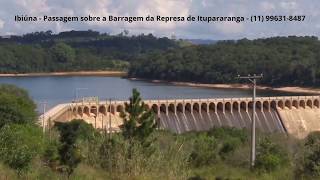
(288, 5)
(230, 27)
(1, 24)
(267, 6)
(38, 6)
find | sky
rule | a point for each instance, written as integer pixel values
(190, 30)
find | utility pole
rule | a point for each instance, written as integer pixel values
(110, 118)
(95, 121)
(253, 80)
(44, 104)
(102, 127)
(109, 135)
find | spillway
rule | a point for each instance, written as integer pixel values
(179, 122)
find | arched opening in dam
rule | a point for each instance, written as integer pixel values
(287, 104)
(180, 108)
(212, 107)
(316, 103)
(103, 110)
(120, 108)
(266, 105)
(273, 105)
(228, 107)
(309, 103)
(74, 111)
(243, 106)
(302, 104)
(172, 108)
(259, 106)
(204, 107)
(111, 109)
(188, 108)
(94, 111)
(280, 104)
(235, 106)
(196, 107)
(295, 104)
(80, 112)
(86, 111)
(163, 108)
(220, 107)
(155, 108)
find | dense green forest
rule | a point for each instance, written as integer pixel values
(74, 51)
(282, 60)
(75, 150)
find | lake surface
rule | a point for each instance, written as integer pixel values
(55, 90)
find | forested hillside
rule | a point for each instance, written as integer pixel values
(75, 50)
(283, 61)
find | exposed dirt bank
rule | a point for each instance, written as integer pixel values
(78, 73)
(292, 89)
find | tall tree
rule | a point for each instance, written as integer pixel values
(69, 154)
(138, 121)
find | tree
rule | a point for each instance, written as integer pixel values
(63, 53)
(15, 106)
(204, 151)
(270, 156)
(138, 121)
(69, 152)
(19, 145)
(311, 156)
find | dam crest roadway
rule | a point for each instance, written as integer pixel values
(295, 115)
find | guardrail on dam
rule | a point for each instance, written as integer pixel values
(295, 115)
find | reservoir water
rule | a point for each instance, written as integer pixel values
(55, 90)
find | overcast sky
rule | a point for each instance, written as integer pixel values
(309, 8)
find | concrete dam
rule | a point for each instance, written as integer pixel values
(295, 115)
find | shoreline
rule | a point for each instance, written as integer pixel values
(289, 89)
(77, 73)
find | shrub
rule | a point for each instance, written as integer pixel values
(311, 155)
(228, 146)
(51, 155)
(168, 160)
(226, 132)
(69, 152)
(229, 139)
(15, 106)
(270, 156)
(19, 144)
(204, 151)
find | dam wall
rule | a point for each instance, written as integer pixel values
(295, 115)
(299, 122)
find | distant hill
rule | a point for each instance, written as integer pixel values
(283, 60)
(201, 41)
(75, 51)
